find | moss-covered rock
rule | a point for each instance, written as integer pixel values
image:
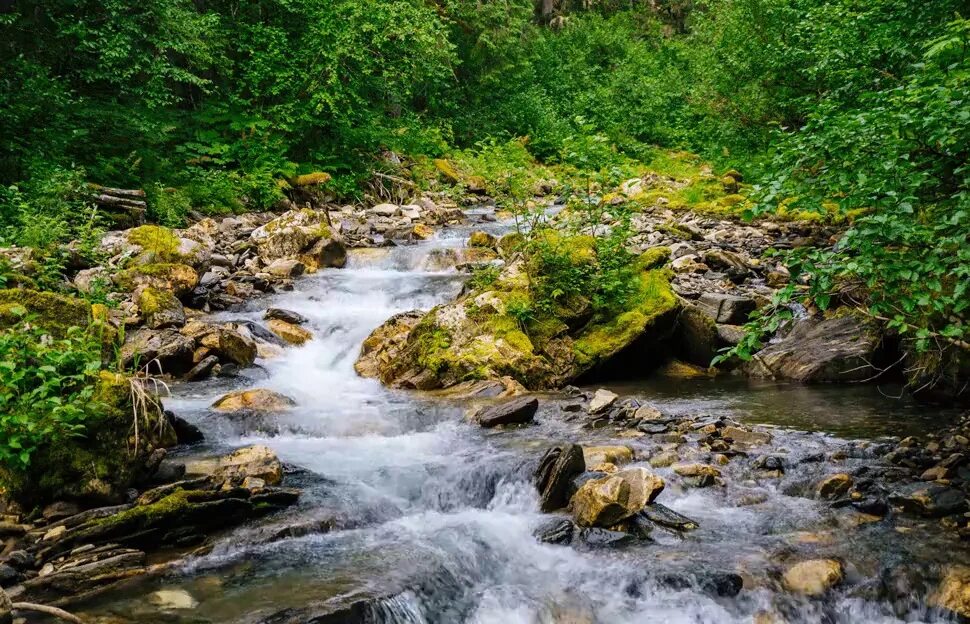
(180, 279)
(160, 308)
(290, 234)
(106, 459)
(501, 331)
(52, 312)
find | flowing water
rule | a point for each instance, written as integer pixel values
(434, 517)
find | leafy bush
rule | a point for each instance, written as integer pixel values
(48, 389)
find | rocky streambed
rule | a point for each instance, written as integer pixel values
(684, 500)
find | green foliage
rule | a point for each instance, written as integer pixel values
(48, 389)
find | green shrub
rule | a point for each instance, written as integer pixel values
(49, 388)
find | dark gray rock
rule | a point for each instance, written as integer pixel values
(285, 315)
(555, 531)
(729, 309)
(840, 349)
(555, 474)
(515, 411)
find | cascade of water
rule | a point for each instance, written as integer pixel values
(438, 515)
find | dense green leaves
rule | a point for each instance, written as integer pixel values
(48, 389)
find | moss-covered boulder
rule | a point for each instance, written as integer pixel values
(160, 309)
(106, 458)
(52, 312)
(180, 279)
(501, 330)
(290, 234)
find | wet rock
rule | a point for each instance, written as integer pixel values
(645, 487)
(292, 334)
(667, 518)
(555, 531)
(285, 268)
(515, 411)
(482, 239)
(285, 315)
(814, 577)
(698, 475)
(257, 461)
(602, 400)
(930, 501)
(386, 342)
(833, 487)
(85, 572)
(601, 502)
(664, 459)
(771, 464)
(60, 510)
(727, 309)
(172, 599)
(557, 469)
(185, 432)
(840, 349)
(871, 505)
(746, 437)
(604, 538)
(953, 593)
(593, 455)
(723, 584)
(325, 253)
(203, 369)
(258, 400)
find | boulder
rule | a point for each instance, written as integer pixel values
(745, 437)
(285, 315)
(556, 471)
(259, 400)
(930, 501)
(699, 340)
(593, 455)
(482, 239)
(179, 279)
(698, 475)
(645, 487)
(54, 313)
(385, 343)
(258, 462)
(285, 268)
(729, 309)
(162, 350)
(556, 531)
(667, 518)
(601, 502)
(330, 252)
(602, 401)
(840, 349)
(515, 411)
(293, 334)
(833, 487)
(160, 309)
(479, 336)
(814, 577)
(290, 234)
(953, 593)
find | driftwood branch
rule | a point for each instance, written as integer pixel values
(52, 611)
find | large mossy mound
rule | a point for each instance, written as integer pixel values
(100, 463)
(52, 312)
(513, 327)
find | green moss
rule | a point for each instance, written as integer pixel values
(653, 258)
(655, 299)
(159, 244)
(52, 312)
(179, 278)
(510, 244)
(154, 514)
(508, 329)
